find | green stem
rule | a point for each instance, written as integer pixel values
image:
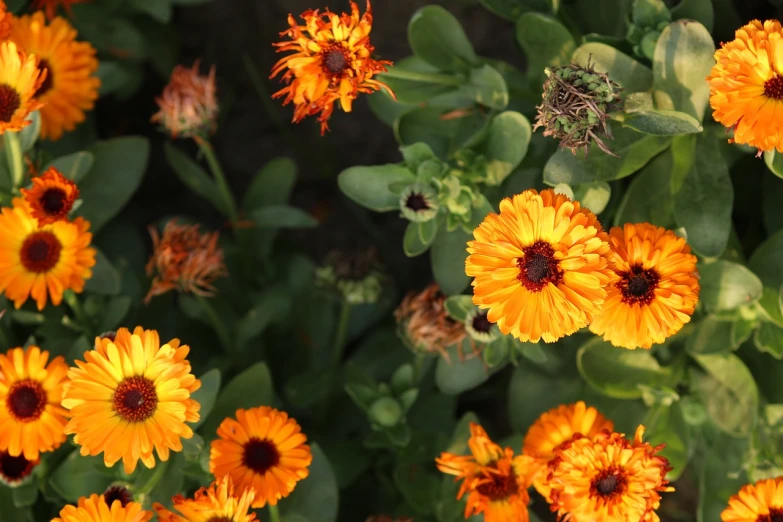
(14, 156)
(160, 472)
(220, 178)
(444, 79)
(78, 312)
(214, 319)
(342, 332)
(274, 513)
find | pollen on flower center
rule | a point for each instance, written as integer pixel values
(773, 88)
(608, 483)
(40, 252)
(335, 61)
(638, 285)
(53, 200)
(499, 487)
(9, 102)
(48, 82)
(26, 400)
(538, 267)
(417, 202)
(135, 399)
(260, 455)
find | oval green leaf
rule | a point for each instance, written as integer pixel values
(725, 286)
(436, 36)
(369, 186)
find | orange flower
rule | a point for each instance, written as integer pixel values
(50, 6)
(219, 503)
(331, 61)
(424, 324)
(184, 259)
(95, 509)
(759, 502)
(495, 480)
(51, 197)
(5, 21)
(188, 105)
(20, 80)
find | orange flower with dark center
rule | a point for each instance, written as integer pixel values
(331, 62)
(20, 79)
(759, 502)
(15, 469)
(95, 509)
(51, 197)
(424, 324)
(117, 493)
(188, 106)
(494, 479)
(184, 259)
(220, 502)
(50, 6)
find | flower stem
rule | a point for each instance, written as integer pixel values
(214, 319)
(160, 471)
(274, 513)
(78, 312)
(416, 76)
(220, 178)
(13, 148)
(342, 332)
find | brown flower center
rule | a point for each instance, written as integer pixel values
(219, 519)
(773, 88)
(538, 267)
(417, 202)
(53, 201)
(109, 335)
(135, 399)
(608, 483)
(638, 285)
(117, 493)
(26, 400)
(40, 252)
(260, 455)
(481, 323)
(499, 487)
(9, 102)
(335, 61)
(48, 82)
(775, 515)
(14, 469)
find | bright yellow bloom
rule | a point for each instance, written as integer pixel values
(188, 106)
(130, 396)
(95, 509)
(51, 197)
(654, 288)
(20, 80)
(331, 62)
(540, 266)
(608, 479)
(70, 87)
(218, 503)
(495, 480)
(746, 85)
(262, 449)
(41, 262)
(759, 502)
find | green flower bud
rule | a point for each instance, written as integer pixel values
(479, 328)
(385, 412)
(358, 276)
(419, 203)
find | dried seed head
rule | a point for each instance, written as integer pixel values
(357, 276)
(424, 324)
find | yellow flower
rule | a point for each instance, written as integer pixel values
(608, 479)
(262, 449)
(95, 509)
(746, 85)
(70, 87)
(188, 106)
(42, 261)
(51, 197)
(540, 266)
(495, 480)
(130, 396)
(331, 62)
(20, 80)
(555, 427)
(15, 469)
(759, 502)
(654, 287)
(218, 503)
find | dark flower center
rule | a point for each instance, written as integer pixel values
(261, 455)
(499, 487)
(638, 285)
(26, 400)
(538, 267)
(773, 88)
(775, 515)
(108, 335)
(219, 519)
(610, 482)
(53, 201)
(14, 469)
(481, 323)
(135, 399)
(117, 493)
(417, 202)
(9, 102)
(40, 252)
(48, 82)
(335, 61)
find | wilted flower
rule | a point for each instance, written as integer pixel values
(357, 276)
(425, 325)
(50, 6)
(184, 259)
(331, 62)
(51, 197)
(188, 105)
(576, 101)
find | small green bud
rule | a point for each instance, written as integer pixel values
(479, 328)
(386, 412)
(419, 203)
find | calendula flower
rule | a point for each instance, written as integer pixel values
(540, 266)
(42, 262)
(746, 85)
(494, 479)
(263, 449)
(759, 502)
(20, 80)
(424, 325)
(51, 197)
(184, 259)
(220, 502)
(15, 469)
(50, 6)
(5, 21)
(130, 396)
(331, 62)
(188, 105)
(95, 509)
(654, 287)
(70, 87)
(117, 493)
(31, 418)
(555, 427)
(607, 478)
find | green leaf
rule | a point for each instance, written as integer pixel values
(634, 148)
(769, 338)
(206, 395)
(729, 393)
(532, 392)
(105, 279)
(194, 176)
(725, 286)
(771, 196)
(114, 177)
(662, 122)
(160, 10)
(443, 135)
(414, 81)
(765, 261)
(369, 186)
(665, 425)
(418, 237)
(712, 335)
(769, 306)
(593, 196)
(447, 257)
(79, 476)
(29, 135)
(73, 166)
(610, 20)
(25, 495)
(703, 199)
(282, 216)
(454, 376)
(699, 10)
(458, 306)
(506, 145)
(648, 198)
(683, 58)
(315, 498)
(486, 87)
(272, 185)
(774, 162)
(114, 312)
(511, 9)
(629, 74)
(273, 304)
(252, 387)
(436, 36)
(618, 372)
(546, 42)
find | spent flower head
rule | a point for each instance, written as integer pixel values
(357, 276)
(424, 324)
(188, 105)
